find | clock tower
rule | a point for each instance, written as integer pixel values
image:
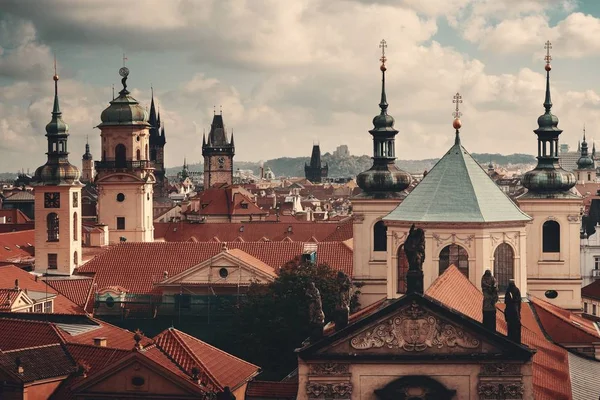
(57, 202)
(125, 174)
(218, 154)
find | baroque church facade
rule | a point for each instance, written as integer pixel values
(468, 221)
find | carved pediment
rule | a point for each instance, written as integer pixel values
(413, 330)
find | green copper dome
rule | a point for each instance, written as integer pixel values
(124, 110)
(585, 161)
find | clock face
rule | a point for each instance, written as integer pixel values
(221, 160)
(52, 200)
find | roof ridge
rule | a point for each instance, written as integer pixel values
(174, 332)
(77, 344)
(33, 347)
(464, 152)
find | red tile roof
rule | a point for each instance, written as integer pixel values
(591, 291)
(78, 290)
(39, 363)
(550, 363)
(254, 231)
(222, 368)
(564, 327)
(275, 390)
(17, 246)
(30, 334)
(116, 338)
(15, 216)
(138, 267)
(8, 275)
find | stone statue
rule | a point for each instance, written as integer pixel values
(414, 248)
(489, 287)
(342, 308)
(315, 311)
(512, 313)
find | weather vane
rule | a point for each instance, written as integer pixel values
(55, 73)
(548, 57)
(383, 46)
(457, 99)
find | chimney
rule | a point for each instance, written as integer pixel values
(16, 284)
(20, 369)
(100, 342)
(166, 275)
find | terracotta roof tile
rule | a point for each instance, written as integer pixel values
(550, 363)
(222, 368)
(275, 390)
(76, 290)
(39, 363)
(17, 246)
(117, 338)
(591, 291)
(15, 216)
(8, 275)
(31, 334)
(255, 231)
(138, 267)
(563, 326)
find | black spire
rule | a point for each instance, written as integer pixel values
(87, 155)
(584, 161)
(384, 179)
(548, 176)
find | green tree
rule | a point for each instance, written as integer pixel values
(273, 320)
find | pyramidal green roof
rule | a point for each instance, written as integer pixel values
(457, 189)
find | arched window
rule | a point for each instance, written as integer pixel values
(75, 230)
(402, 270)
(379, 236)
(120, 156)
(551, 237)
(504, 265)
(75, 259)
(52, 225)
(454, 255)
(138, 154)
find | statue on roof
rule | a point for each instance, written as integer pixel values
(414, 248)
(342, 308)
(315, 311)
(489, 287)
(512, 313)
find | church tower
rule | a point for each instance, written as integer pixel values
(553, 272)
(157, 150)
(218, 154)
(383, 188)
(586, 171)
(314, 172)
(125, 174)
(57, 202)
(87, 164)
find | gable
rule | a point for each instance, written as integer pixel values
(415, 327)
(137, 377)
(413, 330)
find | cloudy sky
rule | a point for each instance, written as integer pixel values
(288, 73)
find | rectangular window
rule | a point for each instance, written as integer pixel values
(593, 309)
(120, 223)
(48, 307)
(52, 261)
(596, 262)
(585, 308)
(38, 308)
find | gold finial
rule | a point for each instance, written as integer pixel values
(548, 57)
(383, 59)
(457, 99)
(55, 77)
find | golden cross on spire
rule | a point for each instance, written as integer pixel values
(383, 46)
(124, 59)
(548, 57)
(457, 99)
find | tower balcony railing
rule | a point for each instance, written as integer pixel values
(596, 273)
(111, 164)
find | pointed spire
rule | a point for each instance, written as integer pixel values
(56, 108)
(204, 139)
(231, 137)
(383, 103)
(584, 133)
(548, 58)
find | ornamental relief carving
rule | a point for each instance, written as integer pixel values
(321, 390)
(574, 218)
(500, 369)
(453, 238)
(329, 369)
(500, 390)
(398, 238)
(414, 329)
(510, 238)
(358, 218)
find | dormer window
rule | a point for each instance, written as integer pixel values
(244, 205)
